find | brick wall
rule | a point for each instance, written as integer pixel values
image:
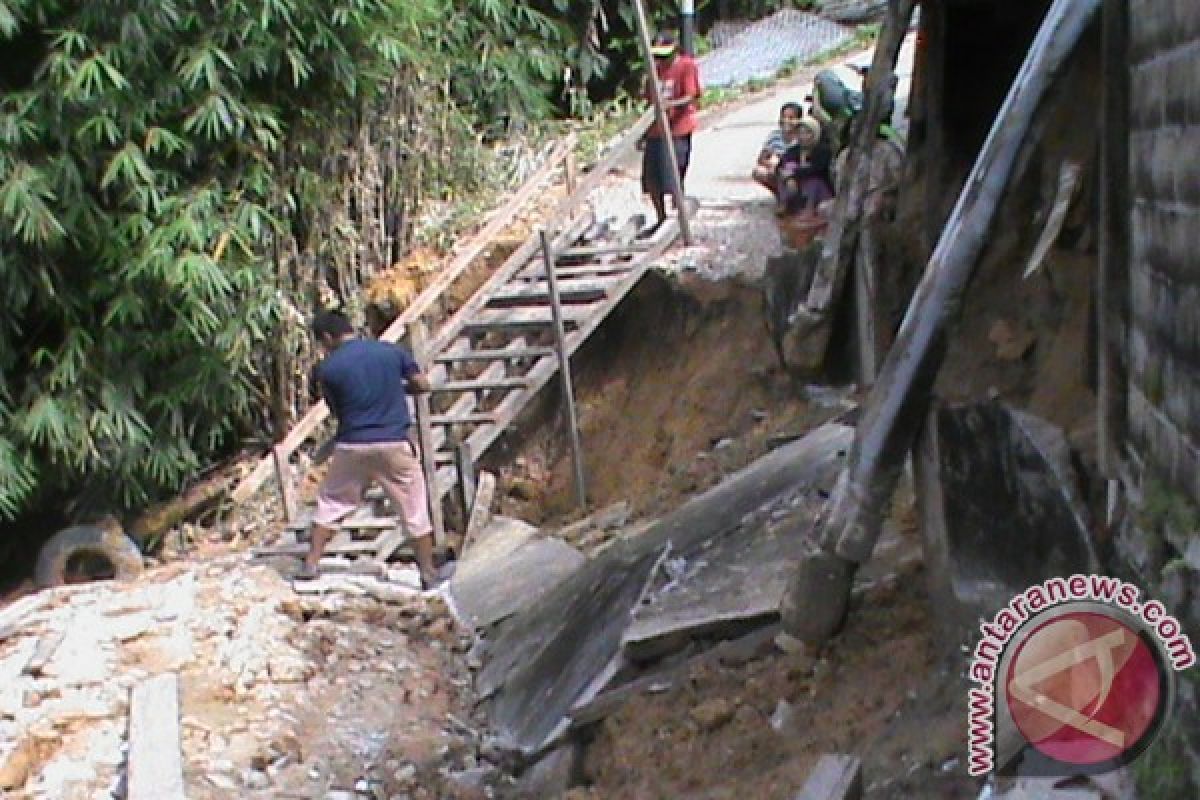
(1164, 331)
(1162, 354)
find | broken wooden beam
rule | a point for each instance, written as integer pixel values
(47, 646)
(811, 324)
(155, 760)
(481, 508)
(900, 398)
(836, 777)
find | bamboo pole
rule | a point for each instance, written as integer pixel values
(660, 112)
(564, 369)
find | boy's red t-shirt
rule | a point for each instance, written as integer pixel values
(680, 78)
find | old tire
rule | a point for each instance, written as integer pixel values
(86, 542)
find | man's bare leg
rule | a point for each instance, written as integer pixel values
(321, 534)
(423, 549)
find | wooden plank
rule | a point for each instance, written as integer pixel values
(287, 489)
(478, 385)
(354, 523)
(155, 761)
(464, 465)
(342, 549)
(537, 273)
(585, 290)
(631, 249)
(481, 508)
(464, 419)
(387, 544)
(312, 419)
(419, 338)
(516, 319)
(497, 355)
(836, 777)
(12, 618)
(47, 646)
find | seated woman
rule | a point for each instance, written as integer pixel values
(803, 173)
(777, 144)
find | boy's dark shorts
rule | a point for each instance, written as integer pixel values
(656, 166)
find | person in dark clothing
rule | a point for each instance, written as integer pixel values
(804, 177)
(366, 384)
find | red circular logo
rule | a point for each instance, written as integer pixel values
(1085, 689)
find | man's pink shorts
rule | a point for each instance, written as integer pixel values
(393, 465)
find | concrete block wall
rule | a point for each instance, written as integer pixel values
(1158, 542)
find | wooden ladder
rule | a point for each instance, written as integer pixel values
(497, 352)
(489, 360)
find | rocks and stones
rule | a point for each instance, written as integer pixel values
(713, 713)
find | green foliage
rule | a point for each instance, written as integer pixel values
(157, 157)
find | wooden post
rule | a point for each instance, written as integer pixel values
(866, 306)
(571, 168)
(900, 400)
(660, 112)
(417, 339)
(1112, 284)
(287, 489)
(464, 464)
(564, 369)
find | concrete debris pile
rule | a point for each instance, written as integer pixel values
(275, 692)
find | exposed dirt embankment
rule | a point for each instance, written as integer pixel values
(679, 387)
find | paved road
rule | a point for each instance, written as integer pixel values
(726, 146)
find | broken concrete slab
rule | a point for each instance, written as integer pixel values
(500, 537)
(735, 584)
(485, 591)
(1000, 509)
(545, 658)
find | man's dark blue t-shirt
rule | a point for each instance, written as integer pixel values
(363, 381)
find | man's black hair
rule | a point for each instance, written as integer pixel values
(331, 323)
(791, 106)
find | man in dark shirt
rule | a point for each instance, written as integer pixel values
(366, 385)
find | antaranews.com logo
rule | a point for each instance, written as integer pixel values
(1075, 676)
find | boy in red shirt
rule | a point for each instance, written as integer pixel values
(679, 84)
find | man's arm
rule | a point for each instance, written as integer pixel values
(418, 383)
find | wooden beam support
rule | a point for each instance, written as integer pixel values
(419, 340)
(564, 372)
